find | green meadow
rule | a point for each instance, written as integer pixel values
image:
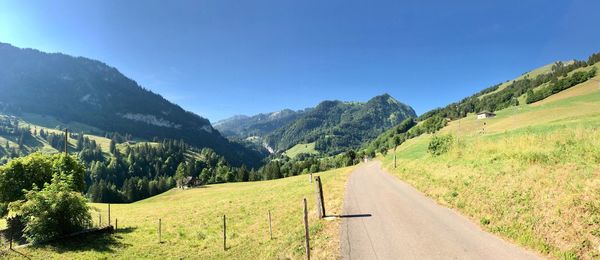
(301, 148)
(192, 224)
(531, 174)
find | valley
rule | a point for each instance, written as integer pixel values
(525, 175)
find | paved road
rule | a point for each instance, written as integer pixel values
(394, 221)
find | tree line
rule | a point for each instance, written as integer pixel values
(492, 99)
(407, 129)
(560, 85)
(11, 130)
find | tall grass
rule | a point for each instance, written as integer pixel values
(540, 189)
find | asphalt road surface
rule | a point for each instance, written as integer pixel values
(385, 218)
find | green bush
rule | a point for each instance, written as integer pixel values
(440, 144)
(35, 170)
(484, 221)
(53, 211)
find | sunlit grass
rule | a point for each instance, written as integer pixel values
(301, 148)
(192, 223)
(533, 176)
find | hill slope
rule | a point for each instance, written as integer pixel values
(530, 174)
(336, 125)
(193, 229)
(90, 92)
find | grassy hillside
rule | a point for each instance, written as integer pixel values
(532, 74)
(301, 148)
(192, 223)
(531, 174)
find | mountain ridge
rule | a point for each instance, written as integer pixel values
(78, 89)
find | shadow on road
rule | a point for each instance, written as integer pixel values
(352, 216)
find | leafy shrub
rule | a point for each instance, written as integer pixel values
(35, 170)
(484, 221)
(54, 211)
(440, 144)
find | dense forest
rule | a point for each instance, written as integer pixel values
(145, 170)
(131, 171)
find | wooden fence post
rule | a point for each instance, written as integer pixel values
(394, 158)
(270, 226)
(116, 224)
(320, 200)
(99, 219)
(159, 230)
(310, 178)
(306, 231)
(109, 223)
(66, 141)
(10, 239)
(224, 233)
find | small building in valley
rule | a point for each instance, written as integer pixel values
(485, 114)
(190, 182)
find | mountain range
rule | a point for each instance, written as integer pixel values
(82, 91)
(258, 125)
(334, 126)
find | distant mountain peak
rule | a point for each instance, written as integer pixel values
(337, 125)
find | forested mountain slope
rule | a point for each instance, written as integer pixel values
(76, 89)
(336, 126)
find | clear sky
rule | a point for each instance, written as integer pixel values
(225, 57)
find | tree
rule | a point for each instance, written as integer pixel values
(242, 174)
(66, 164)
(22, 174)
(80, 142)
(181, 174)
(113, 147)
(54, 211)
(21, 146)
(205, 175)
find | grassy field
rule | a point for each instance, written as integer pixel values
(301, 148)
(531, 174)
(192, 224)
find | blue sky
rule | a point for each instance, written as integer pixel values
(225, 57)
